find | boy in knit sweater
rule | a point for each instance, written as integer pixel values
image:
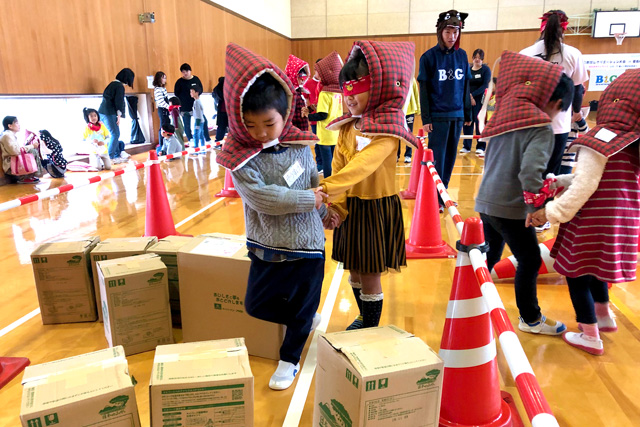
(275, 174)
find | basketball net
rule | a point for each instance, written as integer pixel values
(619, 38)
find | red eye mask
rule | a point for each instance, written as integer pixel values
(354, 87)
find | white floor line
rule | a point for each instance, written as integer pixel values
(190, 217)
(294, 413)
(19, 322)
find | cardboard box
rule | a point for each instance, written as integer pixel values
(213, 282)
(91, 389)
(376, 377)
(206, 383)
(116, 248)
(135, 302)
(167, 248)
(64, 282)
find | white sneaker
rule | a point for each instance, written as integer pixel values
(283, 377)
(117, 160)
(317, 318)
(407, 159)
(464, 151)
(125, 155)
(542, 326)
(543, 227)
(584, 342)
(480, 153)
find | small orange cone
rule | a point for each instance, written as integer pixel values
(471, 390)
(10, 367)
(158, 219)
(228, 190)
(506, 268)
(425, 236)
(414, 179)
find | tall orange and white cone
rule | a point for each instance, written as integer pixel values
(228, 190)
(506, 268)
(471, 391)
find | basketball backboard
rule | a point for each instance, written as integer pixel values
(609, 23)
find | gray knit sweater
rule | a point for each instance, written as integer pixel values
(281, 219)
(514, 162)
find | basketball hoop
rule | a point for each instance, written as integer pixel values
(619, 38)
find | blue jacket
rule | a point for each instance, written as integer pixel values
(444, 85)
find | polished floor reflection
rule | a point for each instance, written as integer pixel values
(582, 390)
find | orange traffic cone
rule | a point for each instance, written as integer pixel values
(470, 390)
(414, 179)
(158, 219)
(425, 236)
(228, 190)
(10, 367)
(506, 268)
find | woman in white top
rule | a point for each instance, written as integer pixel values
(162, 102)
(550, 47)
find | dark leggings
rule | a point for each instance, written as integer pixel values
(585, 291)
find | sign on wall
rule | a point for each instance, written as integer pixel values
(604, 69)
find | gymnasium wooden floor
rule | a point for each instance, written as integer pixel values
(583, 390)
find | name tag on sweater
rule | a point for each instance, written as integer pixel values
(478, 76)
(362, 142)
(293, 173)
(605, 135)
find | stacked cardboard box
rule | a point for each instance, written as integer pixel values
(64, 283)
(214, 270)
(116, 248)
(135, 297)
(376, 376)
(91, 389)
(167, 248)
(202, 384)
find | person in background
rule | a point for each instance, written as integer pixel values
(162, 102)
(198, 115)
(55, 163)
(445, 103)
(170, 144)
(578, 128)
(329, 107)
(182, 89)
(312, 90)
(478, 85)
(411, 108)
(97, 134)
(298, 72)
(11, 148)
(175, 119)
(274, 173)
(222, 120)
(112, 110)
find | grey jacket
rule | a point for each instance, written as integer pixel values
(281, 219)
(514, 162)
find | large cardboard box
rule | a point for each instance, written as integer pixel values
(135, 302)
(206, 383)
(92, 389)
(64, 282)
(376, 377)
(213, 282)
(167, 248)
(116, 248)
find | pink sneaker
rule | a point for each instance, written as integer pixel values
(583, 342)
(605, 324)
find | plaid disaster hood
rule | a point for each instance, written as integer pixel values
(242, 68)
(294, 65)
(524, 88)
(328, 69)
(618, 120)
(391, 66)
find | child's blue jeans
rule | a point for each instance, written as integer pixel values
(198, 135)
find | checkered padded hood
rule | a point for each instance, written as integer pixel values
(391, 66)
(294, 65)
(524, 88)
(618, 112)
(328, 69)
(242, 68)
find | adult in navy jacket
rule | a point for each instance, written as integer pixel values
(444, 78)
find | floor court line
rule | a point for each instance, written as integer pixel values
(299, 398)
(190, 217)
(19, 322)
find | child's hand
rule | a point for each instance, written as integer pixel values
(332, 220)
(305, 111)
(428, 128)
(320, 196)
(473, 102)
(536, 219)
